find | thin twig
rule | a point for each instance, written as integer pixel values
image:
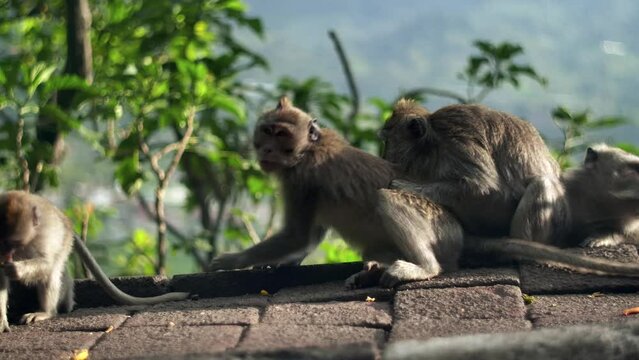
(255, 238)
(441, 93)
(349, 76)
(22, 160)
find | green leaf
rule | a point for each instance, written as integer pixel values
(229, 104)
(607, 122)
(129, 174)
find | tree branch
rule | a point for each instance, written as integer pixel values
(441, 93)
(349, 76)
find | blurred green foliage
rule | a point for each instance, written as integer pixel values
(156, 63)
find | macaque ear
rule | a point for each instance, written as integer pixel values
(313, 131)
(35, 215)
(591, 157)
(284, 103)
(417, 127)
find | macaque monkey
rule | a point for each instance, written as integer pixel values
(492, 170)
(326, 183)
(36, 240)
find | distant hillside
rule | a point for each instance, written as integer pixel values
(588, 49)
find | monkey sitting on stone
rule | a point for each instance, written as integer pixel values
(491, 169)
(36, 240)
(326, 183)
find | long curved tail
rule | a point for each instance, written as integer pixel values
(529, 250)
(115, 293)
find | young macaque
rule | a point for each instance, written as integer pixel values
(492, 170)
(326, 183)
(36, 240)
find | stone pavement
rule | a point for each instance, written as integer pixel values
(306, 313)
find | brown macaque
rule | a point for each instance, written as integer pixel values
(36, 240)
(603, 210)
(326, 183)
(492, 170)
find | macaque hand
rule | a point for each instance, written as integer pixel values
(227, 262)
(4, 325)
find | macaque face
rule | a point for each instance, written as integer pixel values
(17, 225)
(282, 136)
(616, 170)
(400, 133)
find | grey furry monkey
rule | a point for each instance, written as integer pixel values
(326, 183)
(36, 240)
(492, 170)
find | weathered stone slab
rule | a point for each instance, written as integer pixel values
(362, 351)
(579, 342)
(252, 300)
(539, 279)
(330, 291)
(241, 282)
(356, 313)
(89, 320)
(468, 278)
(424, 330)
(481, 302)
(265, 337)
(168, 341)
(563, 310)
(24, 338)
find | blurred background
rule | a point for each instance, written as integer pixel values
(136, 116)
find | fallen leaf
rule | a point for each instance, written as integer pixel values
(596, 294)
(528, 299)
(81, 354)
(109, 329)
(264, 293)
(370, 299)
(631, 311)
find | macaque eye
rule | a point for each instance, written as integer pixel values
(267, 130)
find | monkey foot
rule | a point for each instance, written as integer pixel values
(30, 318)
(403, 271)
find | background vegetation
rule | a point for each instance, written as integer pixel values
(136, 116)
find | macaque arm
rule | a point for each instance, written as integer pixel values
(33, 271)
(4, 297)
(294, 241)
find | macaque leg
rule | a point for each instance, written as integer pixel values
(66, 299)
(49, 293)
(542, 214)
(4, 297)
(429, 239)
(369, 276)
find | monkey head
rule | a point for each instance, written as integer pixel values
(18, 222)
(406, 125)
(616, 170)
(283, 135)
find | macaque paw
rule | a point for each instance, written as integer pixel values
(227, 262)
(367, 277)
(30, 318)
(402, 271)
(12, 270)
(4, 325)
(602, 241)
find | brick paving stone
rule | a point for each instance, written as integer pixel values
(96, 320)
(356, 313)
(540, 279)
(560, 310)
(25, 338)
(481, 302)
(264, 337)
(330, 291)
(169, 341)
(215, 316)
(467, 278)
(361, 351)
(423, 330)
(36, 355)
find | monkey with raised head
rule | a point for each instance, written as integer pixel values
(36, 240)
(492, 170)
(326, 183)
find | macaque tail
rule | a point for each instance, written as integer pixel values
(552, 255)
(115, 293)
